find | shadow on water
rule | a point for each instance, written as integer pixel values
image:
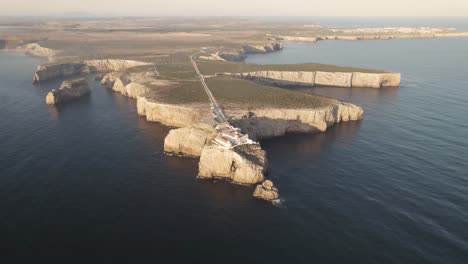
(295, 144)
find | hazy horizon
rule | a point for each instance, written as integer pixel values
(263, 8)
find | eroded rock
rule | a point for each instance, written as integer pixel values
(244, 164)
(266, 191)
(189, 141)
(69, 90)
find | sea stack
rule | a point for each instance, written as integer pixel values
(69, 90)
(266, 191)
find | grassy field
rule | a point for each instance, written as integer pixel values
(212, 67)
(185, 92)
(251, 95)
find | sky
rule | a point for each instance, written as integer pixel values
(358, 8)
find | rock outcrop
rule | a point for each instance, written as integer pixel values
(69, 90)
(189, 141)
(57, 70)
(109, 79)
(232, 55)
(240, 55)
(337, 79)
(120, 84)
(35, 49)
(266, 191)
(244, 164)
(265, 48)
(50, 71)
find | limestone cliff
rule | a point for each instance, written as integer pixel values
(189, 141)
(50, 71)
(69, 90)
(171, 114)
(337, 79)
(267, 123)
(245, 164)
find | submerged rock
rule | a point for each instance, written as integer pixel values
(266, 191)
(69, 90)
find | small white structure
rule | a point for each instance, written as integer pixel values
(229, 136)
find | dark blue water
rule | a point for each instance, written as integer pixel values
(399, 177)
(89, 181)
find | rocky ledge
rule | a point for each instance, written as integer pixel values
(318, 78)
(69, 90)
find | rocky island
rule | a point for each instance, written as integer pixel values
(193, 79)
(68, 91)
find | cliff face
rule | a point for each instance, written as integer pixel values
(247, 164)
(69, 90)
(57, 70)
(267, 123)
(337, 79)
(171, 114)
(113, 65)
(190, 140)
(244, 164)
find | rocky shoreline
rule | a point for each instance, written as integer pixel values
(193, 131)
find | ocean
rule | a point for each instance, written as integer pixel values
(89, 181)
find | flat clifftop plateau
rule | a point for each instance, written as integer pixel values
(320, 78)
(69, 90)
(50, 71)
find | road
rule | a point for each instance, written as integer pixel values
(216, 110)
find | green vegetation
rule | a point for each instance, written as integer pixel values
(212, 67)
(177, 71)
(185, 92)
(252, 95)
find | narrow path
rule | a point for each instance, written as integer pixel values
(217, 113)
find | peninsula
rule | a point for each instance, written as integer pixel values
(192, 78)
